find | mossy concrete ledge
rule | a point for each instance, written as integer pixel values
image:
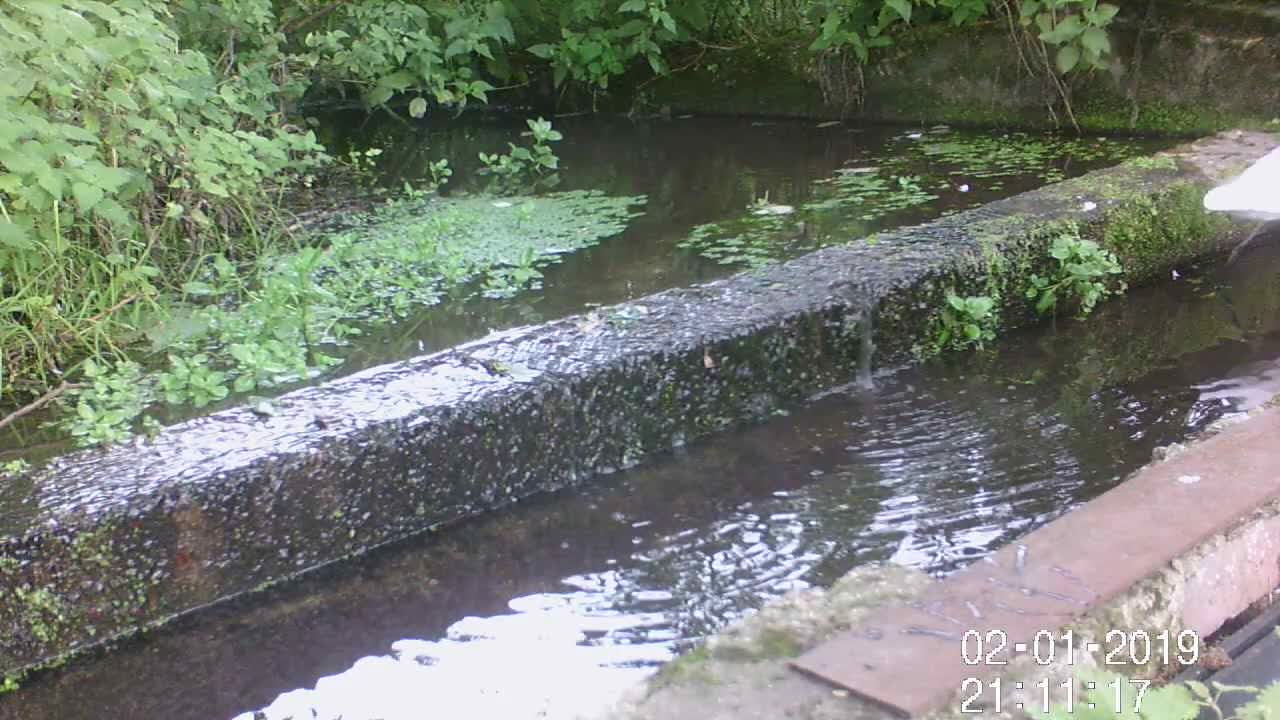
(100, 544)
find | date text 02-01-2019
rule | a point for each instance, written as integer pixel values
(1118, 647)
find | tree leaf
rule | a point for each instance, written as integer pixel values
(1200, 690)
(379, 95)
(15, 236)
(902, 7)
(1047, 300)
(1095, 40)
(542, 50)
(197, 288)
(1104, 13)
(418, 107)
(50, 181)
(1172, 702)
(457, 47)
(1264, 706)
(86, 195)
(1068, 57)
(398, 80)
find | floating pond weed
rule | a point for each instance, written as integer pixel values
(917, 175)
(396, 259)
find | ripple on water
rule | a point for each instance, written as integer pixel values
(923, 472)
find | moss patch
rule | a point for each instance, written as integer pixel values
(1151, 233)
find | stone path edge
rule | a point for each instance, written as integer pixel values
(100, 544)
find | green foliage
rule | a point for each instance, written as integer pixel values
(860, 26)
(1154, 162)
(147, 148)
(190, 380)
(908, 174)
(14, 467)
(524, 164)
(872, 192)
(1076, 29)
(105, 410)
(966, 322)
(440, 171)
(120, 152)
(383, 48)
(1080, 275)
(1013, 153)
(600, 38)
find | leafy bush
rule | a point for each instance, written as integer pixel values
(123, 158)
(1076, 28)
(387, 47)
(600, 38)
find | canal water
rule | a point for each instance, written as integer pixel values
(552, 608)
(707, 184)
(710, 189)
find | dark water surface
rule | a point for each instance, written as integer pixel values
(551, 608)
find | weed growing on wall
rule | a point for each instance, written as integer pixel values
(1081, 275)
(966, 322)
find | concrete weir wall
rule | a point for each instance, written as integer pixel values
(100, 544)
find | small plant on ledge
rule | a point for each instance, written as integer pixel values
(966, 322)
(1080, 275)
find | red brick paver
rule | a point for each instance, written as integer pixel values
(909, 657)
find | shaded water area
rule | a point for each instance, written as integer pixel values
(554, 606)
